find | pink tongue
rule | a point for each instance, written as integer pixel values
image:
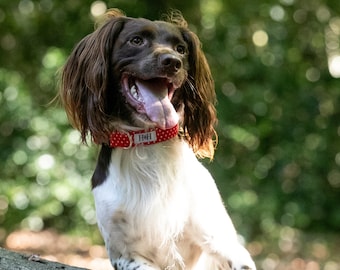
(157, 103)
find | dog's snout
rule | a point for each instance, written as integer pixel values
(170, 62)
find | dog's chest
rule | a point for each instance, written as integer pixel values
(144, 202)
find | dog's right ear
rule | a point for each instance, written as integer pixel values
(86, 77)
(198, 95)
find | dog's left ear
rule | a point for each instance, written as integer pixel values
(199, 100)
(86, 77)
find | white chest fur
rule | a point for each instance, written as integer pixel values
(146, 199)
(160, 206)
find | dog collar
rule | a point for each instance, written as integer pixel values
(128, 139)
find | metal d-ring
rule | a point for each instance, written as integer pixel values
(130, 139)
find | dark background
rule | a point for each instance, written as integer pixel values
(276, 66)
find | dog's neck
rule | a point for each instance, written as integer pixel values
(128, 139)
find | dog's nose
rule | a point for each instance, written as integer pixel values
(170, 62)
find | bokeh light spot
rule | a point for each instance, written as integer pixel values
(260, 38)
(313, 74)
(277, 13)
(20, 200)
(34, 223)
(45, 162)
(334, 66)
(26, 7)
(20, 157)
(98, 8)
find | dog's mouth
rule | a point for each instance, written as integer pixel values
(152, 97)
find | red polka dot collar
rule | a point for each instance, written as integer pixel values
(128, 139)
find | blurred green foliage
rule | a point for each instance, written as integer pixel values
(276, 66)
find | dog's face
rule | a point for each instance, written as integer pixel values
(140, 73)
(151, 60)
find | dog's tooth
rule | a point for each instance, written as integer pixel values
(134, 93)
(133, 89)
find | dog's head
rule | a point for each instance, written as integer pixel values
(140, 73)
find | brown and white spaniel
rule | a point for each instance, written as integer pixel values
(143, 90)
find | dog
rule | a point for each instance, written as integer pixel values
(143, 90)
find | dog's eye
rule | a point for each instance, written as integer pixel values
(180, 49)
(137, 41)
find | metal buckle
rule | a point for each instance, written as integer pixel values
(130, 139)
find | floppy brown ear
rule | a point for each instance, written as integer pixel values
(197, 94)
(199, 100)
(86, 77)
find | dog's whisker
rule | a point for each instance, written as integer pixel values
(190, 86)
